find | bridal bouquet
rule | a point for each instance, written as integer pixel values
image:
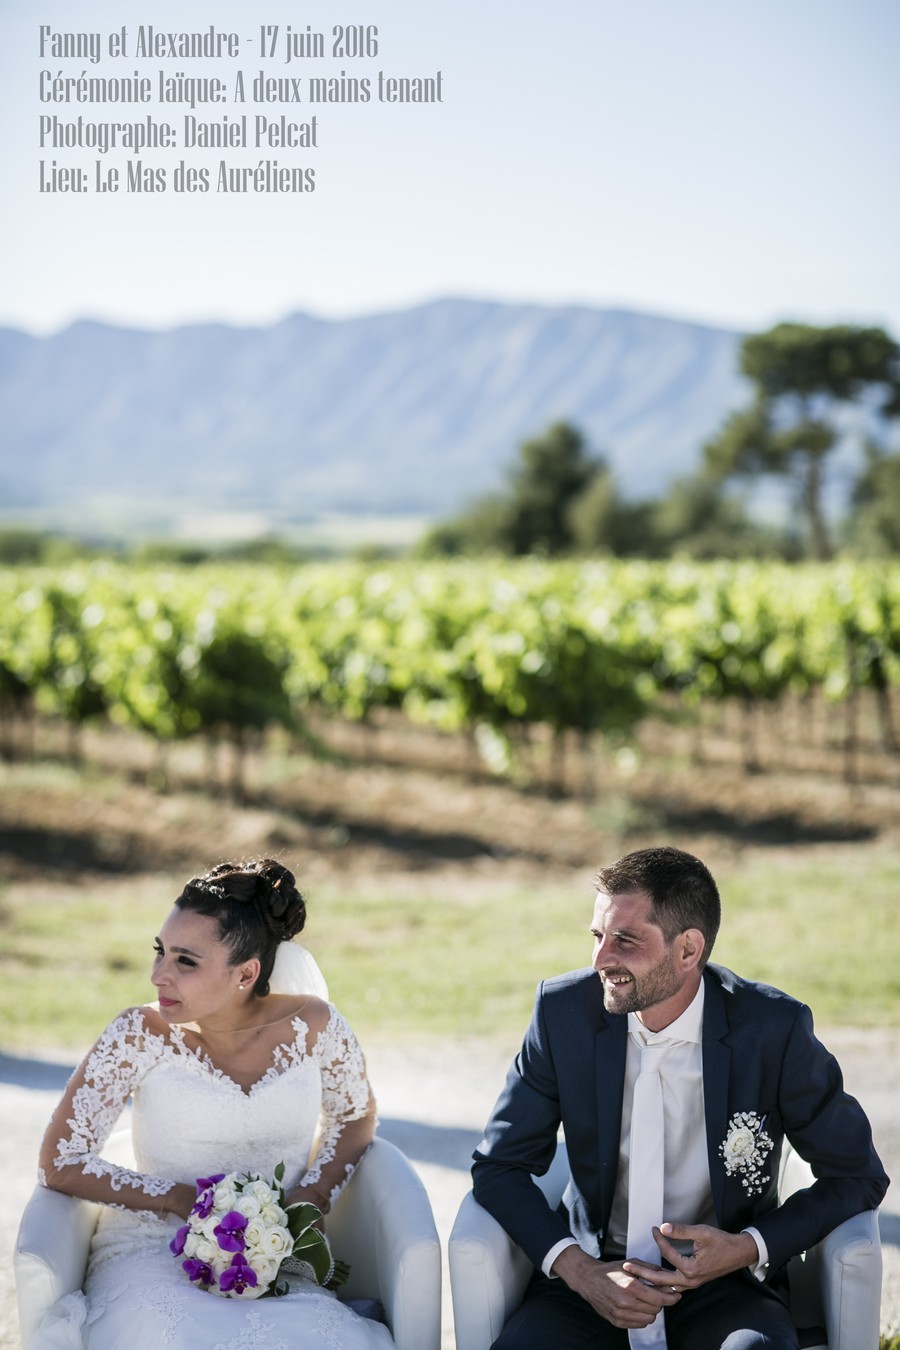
(240, 1233)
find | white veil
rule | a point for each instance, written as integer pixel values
(295, 972)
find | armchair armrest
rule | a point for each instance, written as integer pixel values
(488, 1276)
(488, 1271)
(51, 1254)
(849, 1271)
(837, 1283)
(53, 1244)
(383, 1226)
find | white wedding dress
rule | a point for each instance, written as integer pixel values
(191, 1120)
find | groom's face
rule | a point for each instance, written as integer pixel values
(637, 965)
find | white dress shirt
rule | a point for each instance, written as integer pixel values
(687, 1190)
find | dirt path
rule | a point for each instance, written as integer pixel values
(438, 1130)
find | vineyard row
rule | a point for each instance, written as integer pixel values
(484, 646)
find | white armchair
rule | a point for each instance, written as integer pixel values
(381, 1225)
(836, 1286)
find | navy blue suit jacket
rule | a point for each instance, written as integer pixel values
(759, 1054)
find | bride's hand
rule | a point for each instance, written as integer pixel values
(179, 1200)
(308, 1195)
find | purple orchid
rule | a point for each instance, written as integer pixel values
(206, 1188)
(239, 1276)
(202, 1206)
(199, 1271)
(229, 1231)
(176, 1246)
(204, 1182)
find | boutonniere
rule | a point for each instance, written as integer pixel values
(745, 1150)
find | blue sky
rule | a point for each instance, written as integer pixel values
(730, 162)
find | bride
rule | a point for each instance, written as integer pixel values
(233, 1070)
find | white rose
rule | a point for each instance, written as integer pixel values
(262, 1191)
(277, 1243)
(225, 1197)
(266, 1270)
(274, 1214)
(221, 1263)
(254, 1233)
(207, 1227)
(248, 1205)
(206, 1251)
(255, 1291)
(190, 1246)
(739, 1144)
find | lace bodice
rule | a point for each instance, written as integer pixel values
(191, 1119)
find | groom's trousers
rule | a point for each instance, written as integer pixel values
(732, 1313)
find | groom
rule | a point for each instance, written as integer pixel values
(676, 1083)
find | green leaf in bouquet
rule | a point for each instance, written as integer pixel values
(278, 1174)
(313, 1249)
(301, 1217)
(280, 1288)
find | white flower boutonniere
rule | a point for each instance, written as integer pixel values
(745, 1150)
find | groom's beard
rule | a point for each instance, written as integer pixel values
(640, 991)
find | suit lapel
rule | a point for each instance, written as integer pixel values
(610, 1044)
(716, 1078)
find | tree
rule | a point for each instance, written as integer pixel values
(537, 515)
(554, 470)
(698, 518)
(876, 501)
(591, 514)
(802, 375)
(484, 528)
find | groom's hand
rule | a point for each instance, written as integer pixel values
(714, 1253)
(623, 1298)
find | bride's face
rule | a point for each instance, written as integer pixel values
(191, 970)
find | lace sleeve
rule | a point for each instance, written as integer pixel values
(348, 1111)
(92, 1103)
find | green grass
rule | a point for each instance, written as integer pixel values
(822, 926)
(433, 958)
(73, 955)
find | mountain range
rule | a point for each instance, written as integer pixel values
(414, 411)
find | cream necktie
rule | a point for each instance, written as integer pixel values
(646, 1178)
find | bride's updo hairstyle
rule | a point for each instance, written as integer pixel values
(256, 905)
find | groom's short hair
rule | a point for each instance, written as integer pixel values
(681, 888)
